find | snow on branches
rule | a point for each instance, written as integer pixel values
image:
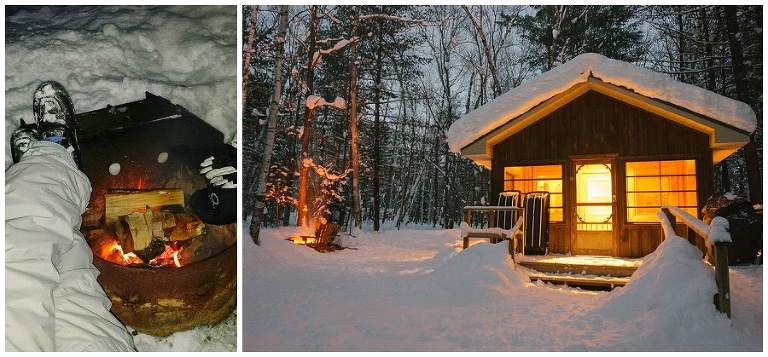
(314, 101)
(338, 46)
(323, 172)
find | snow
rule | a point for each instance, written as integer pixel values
(718, 230)
(640, 80)
(110, 55)
(314, 101)
(417, 290)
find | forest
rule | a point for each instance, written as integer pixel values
(346, 107)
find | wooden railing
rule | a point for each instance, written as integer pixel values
(716, 239)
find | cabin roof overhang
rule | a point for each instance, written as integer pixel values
(727, 122)
(724, 139)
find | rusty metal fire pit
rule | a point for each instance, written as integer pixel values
(151, 300)
(162, 301)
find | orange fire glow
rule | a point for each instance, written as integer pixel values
(176, 259)
(304, 240)
(113, 252)
(171, 256)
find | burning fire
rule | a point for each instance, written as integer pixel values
(309, 239)
(169, 256)
(304, 240)
(113, 252)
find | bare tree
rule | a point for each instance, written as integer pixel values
(274, 107)
(487, 50)
(356, 206)
(301, 205)
(248, 53)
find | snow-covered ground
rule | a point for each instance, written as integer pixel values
(110, 55)
(417, 290)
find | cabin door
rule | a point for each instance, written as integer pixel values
(593, 216)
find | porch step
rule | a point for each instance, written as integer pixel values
(617, 271)
(600, 282)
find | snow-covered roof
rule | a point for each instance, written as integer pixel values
(634, 79)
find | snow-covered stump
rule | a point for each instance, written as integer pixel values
(717, 240)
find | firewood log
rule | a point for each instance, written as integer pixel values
(137, 230)
(123, 202)
(187, 226)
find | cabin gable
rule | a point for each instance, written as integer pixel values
(723, 139)
(594, 124)
(595, 127)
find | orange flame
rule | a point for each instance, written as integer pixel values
(113, 252)
(171, 255)
(176, 259)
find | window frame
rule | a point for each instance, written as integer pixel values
(561, 194)
(660, 192)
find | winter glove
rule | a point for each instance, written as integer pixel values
(216, 203)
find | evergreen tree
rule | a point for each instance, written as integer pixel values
(563, 32)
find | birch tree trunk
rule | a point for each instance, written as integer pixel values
(274, 106)
(248, 54)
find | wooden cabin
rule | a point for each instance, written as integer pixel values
(612, 143)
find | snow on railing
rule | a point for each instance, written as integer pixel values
(717, 239)
(717, 231)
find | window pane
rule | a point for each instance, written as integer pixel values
(644, 168)
(556, 199)
(538, 178)
(680, 167)
(653, 184)
(548, 171)
(644, 184)
(679, 199)
(555, 214)
(637, 215)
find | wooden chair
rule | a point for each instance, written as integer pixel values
(323, 238)
(505, 220)
(536, 226)
(501, 222)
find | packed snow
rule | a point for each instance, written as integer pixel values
(640, 80)
(110, 55)
(417, 290)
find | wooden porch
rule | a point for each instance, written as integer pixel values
(588, 272)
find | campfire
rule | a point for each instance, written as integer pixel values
(159, 280)
(162, 267)
(161, 234)
(323, 239)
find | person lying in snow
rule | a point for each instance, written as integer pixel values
(52, 299)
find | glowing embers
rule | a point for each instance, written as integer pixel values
(303, 240)
(176, 254)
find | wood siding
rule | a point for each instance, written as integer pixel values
(598, 125)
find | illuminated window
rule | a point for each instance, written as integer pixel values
(653, 184)
(538, 178)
